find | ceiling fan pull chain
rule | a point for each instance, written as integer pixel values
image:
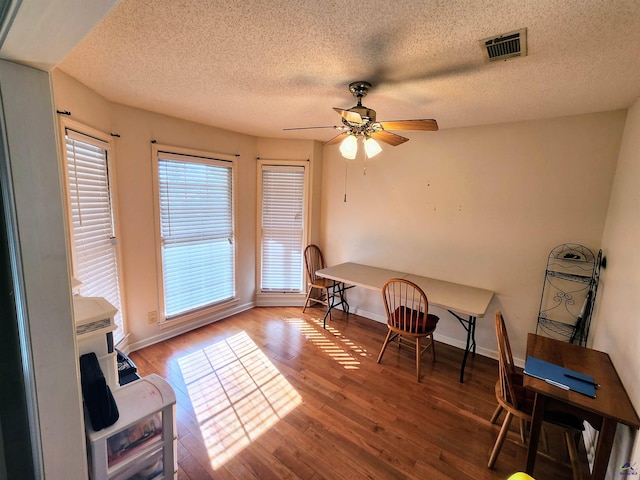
(346, 169)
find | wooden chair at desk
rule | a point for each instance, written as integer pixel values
(517, 401)
(314, 261)
(408, 317)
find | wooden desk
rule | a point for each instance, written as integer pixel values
(457, 299)
(611, 405)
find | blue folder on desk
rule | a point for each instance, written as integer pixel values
(557, 375)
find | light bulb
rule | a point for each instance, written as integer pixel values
(349, 147)
(371, 147)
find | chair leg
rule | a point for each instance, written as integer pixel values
(523, 430)
(500, 440)
(433, 348)
(544, 440)
(306, 300)
(384, 346)
(570, 438)
(496, 414)
(418, 355)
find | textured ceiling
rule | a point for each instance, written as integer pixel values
(258, 66)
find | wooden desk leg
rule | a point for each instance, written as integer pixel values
(603, 449)
(534, 435)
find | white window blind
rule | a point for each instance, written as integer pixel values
(196, 230)
(89, 196)
(282, 228)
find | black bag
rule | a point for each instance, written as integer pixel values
(98, 399)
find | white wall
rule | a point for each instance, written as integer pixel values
(41, 34)
(278, 149)
(481, 206)
(616, 320)
(136, 206)
(44, 297)
(135, 202)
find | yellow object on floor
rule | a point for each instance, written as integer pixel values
(520, 476)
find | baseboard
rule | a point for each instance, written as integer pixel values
(366, 314)
(454, 342)
(124, 346)
(187, 327)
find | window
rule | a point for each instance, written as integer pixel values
(196, 231)
(282, 219)
(94, 255)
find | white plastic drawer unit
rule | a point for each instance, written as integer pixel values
(94, 319)
(142, 444)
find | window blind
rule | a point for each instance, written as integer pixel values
(196, 230)
(94, 253)
(282, 228)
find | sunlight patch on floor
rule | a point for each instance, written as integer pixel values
(340, 348)
(237, 394)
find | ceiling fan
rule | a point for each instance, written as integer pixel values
(360, 121)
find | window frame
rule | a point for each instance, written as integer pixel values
(265, 295)
(203, 157)
(83, 130)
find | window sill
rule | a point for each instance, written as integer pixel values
(278, 299)
(200, 315)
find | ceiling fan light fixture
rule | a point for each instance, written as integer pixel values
(371, 147)
(349, 147)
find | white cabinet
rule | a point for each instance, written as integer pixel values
(141, 445)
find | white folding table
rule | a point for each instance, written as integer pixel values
(465, 303)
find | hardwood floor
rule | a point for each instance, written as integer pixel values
(269, 394)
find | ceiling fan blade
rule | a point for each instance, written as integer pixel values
(425, 124)
(388, 137)
(337, 139)
(349, 116)
(309, 128)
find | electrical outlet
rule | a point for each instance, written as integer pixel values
(152, 317)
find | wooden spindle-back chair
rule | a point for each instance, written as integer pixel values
(314, 261)
(518, 402)
(408, 317)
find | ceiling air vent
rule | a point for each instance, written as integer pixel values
(507, 45)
